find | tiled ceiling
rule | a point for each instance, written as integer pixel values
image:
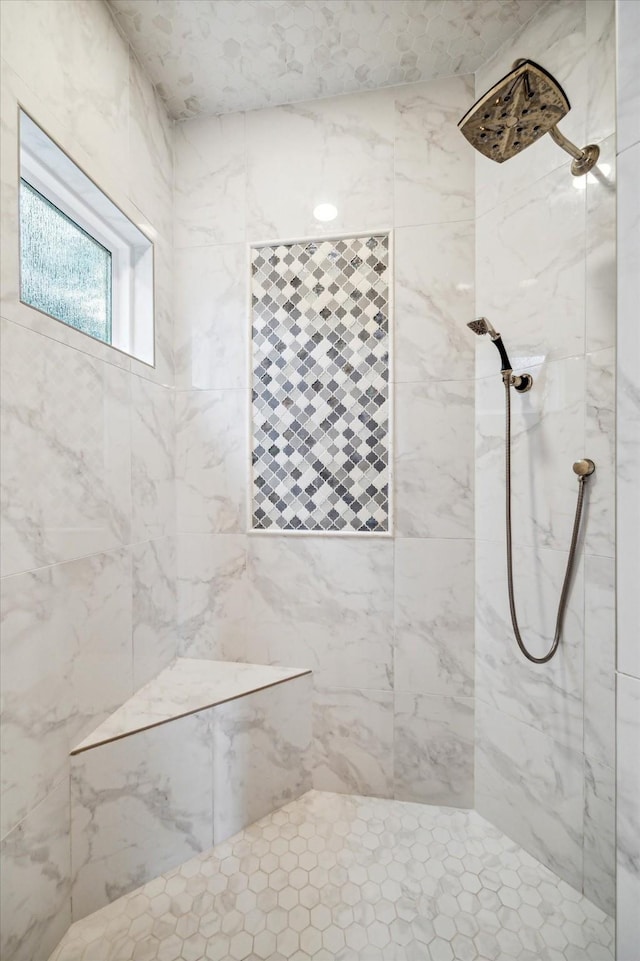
(217, 56)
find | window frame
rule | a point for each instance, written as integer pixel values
(79, 198)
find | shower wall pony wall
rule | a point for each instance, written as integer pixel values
(545, 268)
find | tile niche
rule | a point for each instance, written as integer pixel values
(320, 366)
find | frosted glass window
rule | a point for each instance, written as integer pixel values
(64, 271)
(83, 260)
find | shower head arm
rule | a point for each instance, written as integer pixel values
(583, 160)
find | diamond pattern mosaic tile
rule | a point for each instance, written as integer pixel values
(335, 878)
(320, 330)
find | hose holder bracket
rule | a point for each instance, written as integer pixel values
(520, 382)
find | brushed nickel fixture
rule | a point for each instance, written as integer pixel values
(521, 382)
(517, 111)
(583, 469)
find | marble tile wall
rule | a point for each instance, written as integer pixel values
(628, 469)
(88, 548)
(151, 800)
(545, 273)
(386, 623)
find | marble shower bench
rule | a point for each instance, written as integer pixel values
(193, 757)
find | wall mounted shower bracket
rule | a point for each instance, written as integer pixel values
(520, 382)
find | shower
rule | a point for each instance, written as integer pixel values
(583, 468)
(517, 111)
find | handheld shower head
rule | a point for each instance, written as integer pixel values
(482, 326)
(523, 382)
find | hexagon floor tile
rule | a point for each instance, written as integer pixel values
(336, 877)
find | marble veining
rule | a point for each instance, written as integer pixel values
(66, 465)
(353, 742)
(212, 597)
(139, 806)
(187, 686)
(35, 893)
(433, 749)
(628, 814)
(504, 678)
(236, 56)
(143, 803)
(336, 878)
(434, 293)
(427, 141)
(434, 634)
(211, 460)
(66, 664)
(628, 414)
(533, 788)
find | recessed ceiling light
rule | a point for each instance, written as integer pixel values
(325, 212)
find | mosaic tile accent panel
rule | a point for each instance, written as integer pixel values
(320, 329)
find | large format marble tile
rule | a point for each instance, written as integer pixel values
(600, 239)
(139, 806)
(66, 464)
(600, 659)
(353, 742)
(628, 29)
(628, 411)
(601, 69)
(433, 302)
(152, 460)
(628, 816)
(332, 599)
(337, 657)
(88, 90)
(547, 436)
(163, 362)
(211, 316)
(155, 628)
(433, 749)
(261, 754)
(337, 151)
(434, 173)
(505, 679)
(212, 460)
(66, 664)
(150, 151)
(600, 835)
(209, 197)
(530, 272)
(433, 646)
(184, 687)
(600, 446)
(36, 880)
(555, 38)
(533, 788)
(434, 459)
(212, 595)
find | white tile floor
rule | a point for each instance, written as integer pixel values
(336, 877)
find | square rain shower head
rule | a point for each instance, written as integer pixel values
(517, 111)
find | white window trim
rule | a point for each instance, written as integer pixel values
(68, 188)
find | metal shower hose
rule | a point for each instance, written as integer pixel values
(570, 561)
